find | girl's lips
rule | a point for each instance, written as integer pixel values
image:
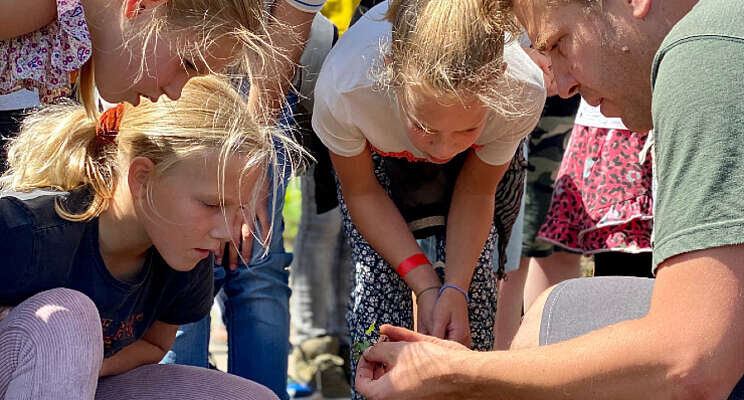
(439, 160)
(202, 253)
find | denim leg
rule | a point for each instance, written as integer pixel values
(320, 271)
(191, 346)
(255, 306)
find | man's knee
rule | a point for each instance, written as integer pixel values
(528, 335)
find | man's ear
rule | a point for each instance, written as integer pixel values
(639, 8)
(135, 7)
(141, 170)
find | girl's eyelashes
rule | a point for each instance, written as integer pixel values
(210, 204)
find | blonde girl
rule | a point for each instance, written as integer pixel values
(108, 232)
(423, 107)
(146, 48)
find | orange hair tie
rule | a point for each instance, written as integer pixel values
(108, 124)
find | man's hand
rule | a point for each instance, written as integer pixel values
(451, 318)
(409, 366)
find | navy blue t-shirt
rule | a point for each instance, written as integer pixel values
(41, 251)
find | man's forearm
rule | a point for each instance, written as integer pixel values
(627, 361)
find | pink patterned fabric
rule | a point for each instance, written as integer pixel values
(602, 197)
(44, 59)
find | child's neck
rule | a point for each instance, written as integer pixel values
(122, 241)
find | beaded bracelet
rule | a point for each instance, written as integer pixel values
(451, 286)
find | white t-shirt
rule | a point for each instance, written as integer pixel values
(591, 116)
(350, 111)
(310, 6)
(19, 100)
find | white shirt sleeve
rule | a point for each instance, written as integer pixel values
(333, 118)
(310, 6)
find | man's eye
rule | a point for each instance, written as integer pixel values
(189, 65)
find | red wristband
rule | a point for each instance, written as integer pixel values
(410, 263)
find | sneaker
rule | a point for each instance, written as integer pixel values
(316, 363)
(297, 390)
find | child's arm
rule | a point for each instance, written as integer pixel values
(288, 32)
(468, 224)
(380, 222)
(150, 349)
(16, 20)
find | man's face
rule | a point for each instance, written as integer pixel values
(598, 53)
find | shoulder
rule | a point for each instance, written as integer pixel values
(355, 60)
(708, 22)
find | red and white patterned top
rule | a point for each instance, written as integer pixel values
(44, 59)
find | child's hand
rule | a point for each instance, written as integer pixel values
(451, 318)
(425, 311)
(243, 234)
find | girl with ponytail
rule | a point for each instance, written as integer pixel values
(109, 228)
(422, 105)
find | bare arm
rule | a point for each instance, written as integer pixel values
(468, 224)
(690, 345)
(377, 217)
(150, 349)
(17, 20)
(288, 33)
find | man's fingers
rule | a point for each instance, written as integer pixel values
(398, 334)
(369, 378)
(233, 257)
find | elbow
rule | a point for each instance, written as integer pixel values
(700, 377)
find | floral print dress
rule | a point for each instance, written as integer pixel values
(45, 58)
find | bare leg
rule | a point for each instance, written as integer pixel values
(509, 305)
(548, 271)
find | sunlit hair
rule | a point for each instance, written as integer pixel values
(452, 50)
(57, 147)
(193, 26)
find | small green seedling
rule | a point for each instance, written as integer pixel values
(359, 346)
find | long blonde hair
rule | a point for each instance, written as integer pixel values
(195, 25)
(58, 148)
(451, 49)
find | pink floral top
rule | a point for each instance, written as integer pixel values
(44, 59)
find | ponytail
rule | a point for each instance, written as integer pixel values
(57, 149)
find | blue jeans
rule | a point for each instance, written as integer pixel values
(321, 271)
(255, 304)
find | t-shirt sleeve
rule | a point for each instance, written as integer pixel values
(16, 247)
(310, 6)
(507, 133)
(194, 300)
(699, 128)
(332, 118)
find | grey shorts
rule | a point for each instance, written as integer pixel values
(579, 306)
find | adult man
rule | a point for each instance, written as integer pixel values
(691, 342)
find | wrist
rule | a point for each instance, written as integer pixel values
(421, 278)
(454, 288)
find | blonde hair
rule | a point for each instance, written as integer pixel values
(58, 148)
(451, 49)
(194, 25)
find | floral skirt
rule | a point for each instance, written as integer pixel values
(602, 199)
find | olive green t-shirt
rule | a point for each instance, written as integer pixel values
(698, 114)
